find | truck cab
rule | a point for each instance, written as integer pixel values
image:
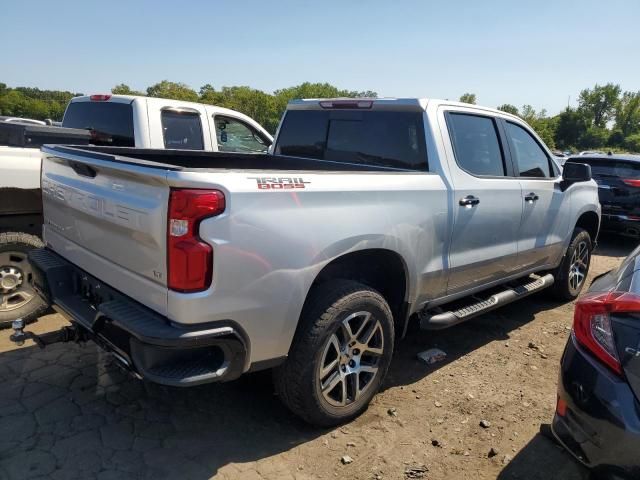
(145, 122)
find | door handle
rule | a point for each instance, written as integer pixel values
(532, 197)
(469, 201)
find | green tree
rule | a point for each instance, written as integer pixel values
(254, 103)
(571, 126)
(528, 114)
(507, 107)
(312, 90)
(173, 90)
(627, 113)
(33, 103)
(206, 90)
(594, 137)
(616, 138)
(468, 98)
(632, 142)
(545, 127)
(363, 94)
(124, 89)
(598, 105)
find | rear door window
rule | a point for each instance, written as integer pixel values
(390, 139)
(476, 145)
(234, 135)
(182, 130)
(111, 123)
(531, 159)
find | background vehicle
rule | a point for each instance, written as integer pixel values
(618, 178)
(598, 410)
(591, 152)
(28, 121)
(115, 120)
(196, 267)
(21, 211)
(147, 122)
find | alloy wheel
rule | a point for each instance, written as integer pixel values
(579, 266)
(350, 359)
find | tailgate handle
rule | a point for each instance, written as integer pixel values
(83, 170)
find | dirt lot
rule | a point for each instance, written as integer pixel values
(68, 412)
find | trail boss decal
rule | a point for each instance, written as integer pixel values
(279, 183)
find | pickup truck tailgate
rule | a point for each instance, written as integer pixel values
(109, 218)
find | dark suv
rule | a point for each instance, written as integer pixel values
(618, 178)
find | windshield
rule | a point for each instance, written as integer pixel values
(390, 139)
(110, 123)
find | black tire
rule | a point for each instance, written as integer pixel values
(19, 301)
(564, 287)
(298, 380)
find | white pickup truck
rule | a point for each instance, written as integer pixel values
(112, 120)
(194, 268)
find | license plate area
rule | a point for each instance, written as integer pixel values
(92, 291)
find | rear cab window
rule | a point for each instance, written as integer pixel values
(182, 129)
(381, 138)
(110, 123)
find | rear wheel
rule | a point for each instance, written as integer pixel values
(18, 299)
(340, 354)
(571, 275)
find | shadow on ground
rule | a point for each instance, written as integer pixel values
(68, 412)
(611, 245)
(492, 326)
(542, 459)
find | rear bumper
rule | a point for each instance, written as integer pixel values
(146, 342)
(601, 426)
(621, 224)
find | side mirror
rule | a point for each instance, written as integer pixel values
(576, 172)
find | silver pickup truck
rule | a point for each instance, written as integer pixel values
(194, 267)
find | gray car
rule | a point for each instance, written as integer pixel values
(195, 267)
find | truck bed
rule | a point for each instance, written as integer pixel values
(201, 160)
(34, 136)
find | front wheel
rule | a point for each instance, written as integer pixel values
(571, 275)
(18, 299)
(340, 354)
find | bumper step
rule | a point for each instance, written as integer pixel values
(147, 343)
(429, 321)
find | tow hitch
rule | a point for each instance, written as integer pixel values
(65, 334)
(73, 333)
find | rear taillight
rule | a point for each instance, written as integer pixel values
(631, 182)
(102, 97)
(189, 259)
(592, 324)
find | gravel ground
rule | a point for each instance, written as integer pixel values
(68, 412)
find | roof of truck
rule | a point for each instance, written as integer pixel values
(392, 103)
(169, 102)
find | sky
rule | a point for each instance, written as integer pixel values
(540, 53)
